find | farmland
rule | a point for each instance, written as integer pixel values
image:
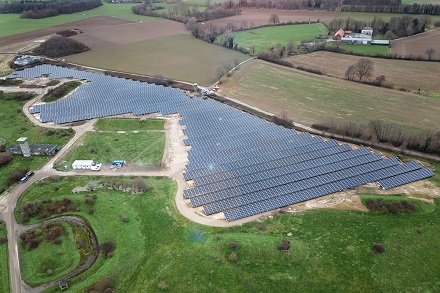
(264, 38)
(137, 148)
(418, 44)
(309, 98)
(369, 50)
(411, 75)
(385, 16)
(11, 24)
(102, 37)
(158, 248)
(258, 17)
(181, 57)
(4, 267)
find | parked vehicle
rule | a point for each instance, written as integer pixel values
(24, 179)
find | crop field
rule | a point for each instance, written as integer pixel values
(369, 50)
(264, 38)
(412, 75)
(418, 44)
(49, 261)
(309, 98)
(4, 266)
(138, 148)
(258, 17)
(330, 249)
(11, 24)
(181, 57)
(105, 37)
(14, 124)
(385, 16)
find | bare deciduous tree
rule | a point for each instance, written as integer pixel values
(430, 52)
(364, 68)
(351, 72)
(274, 18)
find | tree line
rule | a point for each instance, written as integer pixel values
(388, 6)
(43, 9)
(396, 27)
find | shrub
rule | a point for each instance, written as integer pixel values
(16, 175)
(124, 218)
(218, 237)
(234, 245)
(5, 158)
(107, 248)
(89, 201)
(3, 240)
(59, 46)
(102, 285)
(378, 248)
(162, 285)
(90, 211)
(284, 245)
(233, 257)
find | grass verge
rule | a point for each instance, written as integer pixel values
(4, 265)
(49, 261)
(60, 91)
(330, 251)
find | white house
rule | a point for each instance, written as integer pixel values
(82, 164)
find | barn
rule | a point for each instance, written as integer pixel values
(82, 164)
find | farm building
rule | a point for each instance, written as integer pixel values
(82, 164)
(340, 34)
(365, 37)
(25, 149)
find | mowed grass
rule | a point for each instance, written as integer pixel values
(11, 24)
(330, 250)
(49, 261)
(412, 75)
(129, 124)
(272, 36)
(308, 98)
(4, 265)
(369, 50)
(140, 149)
(14, 124)
(181, 57)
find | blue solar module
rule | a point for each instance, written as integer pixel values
(240, 164)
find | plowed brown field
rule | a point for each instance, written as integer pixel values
(98, 21)
(417, 45)
(105, 37)
(261, 16)
(412, 75)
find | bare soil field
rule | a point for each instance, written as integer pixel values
(105, 37)
(259, 17)
(98, 21)
(417, 45)
(180, 57)
(309, 98)
(412, 75)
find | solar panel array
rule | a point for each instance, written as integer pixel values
(240, 165)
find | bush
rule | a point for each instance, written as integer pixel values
(124, 218)
(378, 248)
(233, 257)
(234, 245)
(5, 158)
(16, 175)
(59, 46)
(90, 211)
(3, 240)
(102, 285)
(89, 201)
(162, 285)
(284, 245)
(393, 207)
(107, 248)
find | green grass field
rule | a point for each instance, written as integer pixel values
(308, 98)
(61, 259)
(11, 24)
(181, 57)
(368, 50)
(4, 265)
(363, 16)
(129, 124)
(435, 2)
(14, 124)
(330, 250)
(140, 149)
(264, 38)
